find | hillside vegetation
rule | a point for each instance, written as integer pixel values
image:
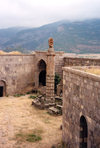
(77, 37)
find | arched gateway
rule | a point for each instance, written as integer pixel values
(83, 132)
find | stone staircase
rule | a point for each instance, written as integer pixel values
(57, 109)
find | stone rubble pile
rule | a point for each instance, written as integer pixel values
(54, 108)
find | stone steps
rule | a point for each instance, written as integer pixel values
(37, 104)
(60, 108)
(56, 110)
(41, 105)
(53, 110)
(57, 98)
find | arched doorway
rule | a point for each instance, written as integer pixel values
(42, 73)
(2, 88)
(83, 132)
(42, 78)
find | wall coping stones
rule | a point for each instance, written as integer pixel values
(57, 52)
(83, 58)
(17, 55)
(40, 51)
(82, 73)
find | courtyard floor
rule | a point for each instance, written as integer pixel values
(19, 119)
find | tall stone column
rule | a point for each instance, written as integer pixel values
(50, 72)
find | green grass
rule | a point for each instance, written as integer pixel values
(32, 97)
(28, 92)
(33, 138)
(18, 95)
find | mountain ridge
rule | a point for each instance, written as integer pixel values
(72, 37)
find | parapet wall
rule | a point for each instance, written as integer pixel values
(81, 97)
(17, 71)
(71, 61)
(21, 71)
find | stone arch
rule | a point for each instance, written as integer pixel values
(42, 72)
(42, 65)
(2, 88)
(83, 132)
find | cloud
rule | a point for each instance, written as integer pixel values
(38, 12)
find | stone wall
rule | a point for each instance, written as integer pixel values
(17, 71)
(71, 61)
(81, 94)
(59, 62)
(21, 71)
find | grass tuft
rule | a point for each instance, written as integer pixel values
(19, 95)
(33, 138)
(32, 97)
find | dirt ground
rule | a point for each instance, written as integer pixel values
(18, 116)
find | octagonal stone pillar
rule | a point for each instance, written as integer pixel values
(50, 72)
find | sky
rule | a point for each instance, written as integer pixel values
(35, 13)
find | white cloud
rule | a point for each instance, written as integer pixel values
(39, 12)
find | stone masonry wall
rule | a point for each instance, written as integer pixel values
(70, 61)
(59, 62)
(81, 94)
(17, 71)
(21, 71)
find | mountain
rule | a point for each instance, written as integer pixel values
(73, 37)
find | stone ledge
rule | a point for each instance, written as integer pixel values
(82, 73)
(17, 55)
(41, 51)
(83, 58)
